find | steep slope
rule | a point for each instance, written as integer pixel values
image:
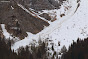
(44, 34)
(15, 17)
(19, 17)
(64, 30)
(75, 26)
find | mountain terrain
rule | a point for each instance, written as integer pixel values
(14, 16)
(59, 23)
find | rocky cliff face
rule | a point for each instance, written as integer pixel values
(40, 4)
(18, 22)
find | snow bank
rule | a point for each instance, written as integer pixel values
(5, 33)
(8, 35)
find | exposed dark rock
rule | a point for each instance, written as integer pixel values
(18, 22)
(46, 16)
(27, 23)
(41, 4)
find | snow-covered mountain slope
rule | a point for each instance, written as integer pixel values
(65, 30)
(49, 31)
(75, 27)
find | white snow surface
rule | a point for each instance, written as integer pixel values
(68, 28)
(7, 34)
(12, 7)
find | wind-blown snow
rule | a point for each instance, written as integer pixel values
(68, 28)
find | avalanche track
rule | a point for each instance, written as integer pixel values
(47, 32)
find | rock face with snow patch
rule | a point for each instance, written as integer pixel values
(18, 20)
